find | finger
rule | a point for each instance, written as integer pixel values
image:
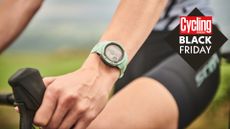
(46, 110)
(70, 119)
(59, 114)
(48, 80)
(85, 120)
(82, 124)
(16, 109)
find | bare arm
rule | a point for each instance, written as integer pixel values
(131, 24)
(15, 15)
(78, 97)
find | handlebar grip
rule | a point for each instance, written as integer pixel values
(28, 89)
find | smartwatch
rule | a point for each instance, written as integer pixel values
(112, 54)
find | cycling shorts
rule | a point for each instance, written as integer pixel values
(192, 90)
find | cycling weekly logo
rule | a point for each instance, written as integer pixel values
(196, 39)
(195, 34)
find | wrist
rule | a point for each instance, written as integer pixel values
(95, 62)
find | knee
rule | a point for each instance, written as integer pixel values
(165, 108)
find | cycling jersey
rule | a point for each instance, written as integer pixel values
(175, 8)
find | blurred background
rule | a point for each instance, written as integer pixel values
(60, 36)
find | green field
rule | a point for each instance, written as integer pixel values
(215, 117)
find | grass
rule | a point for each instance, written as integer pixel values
(215, 117)
(48, 64)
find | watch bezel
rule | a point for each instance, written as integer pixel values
(107, 60)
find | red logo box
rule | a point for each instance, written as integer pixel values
(192, 25)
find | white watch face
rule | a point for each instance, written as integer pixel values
(114, 53)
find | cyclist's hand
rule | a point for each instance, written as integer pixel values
(46, 81)
(75, 99)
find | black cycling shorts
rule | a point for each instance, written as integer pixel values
(192, 90)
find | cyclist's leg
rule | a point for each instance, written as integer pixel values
(146, 104)
(142, 104)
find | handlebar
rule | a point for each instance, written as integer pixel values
(7, 99)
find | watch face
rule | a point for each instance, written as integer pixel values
(114, 52)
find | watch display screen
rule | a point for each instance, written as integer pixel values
(114, 53)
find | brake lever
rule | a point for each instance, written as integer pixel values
(28, 89)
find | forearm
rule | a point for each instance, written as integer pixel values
(133, 22)
(15, 15)
(130, 26)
